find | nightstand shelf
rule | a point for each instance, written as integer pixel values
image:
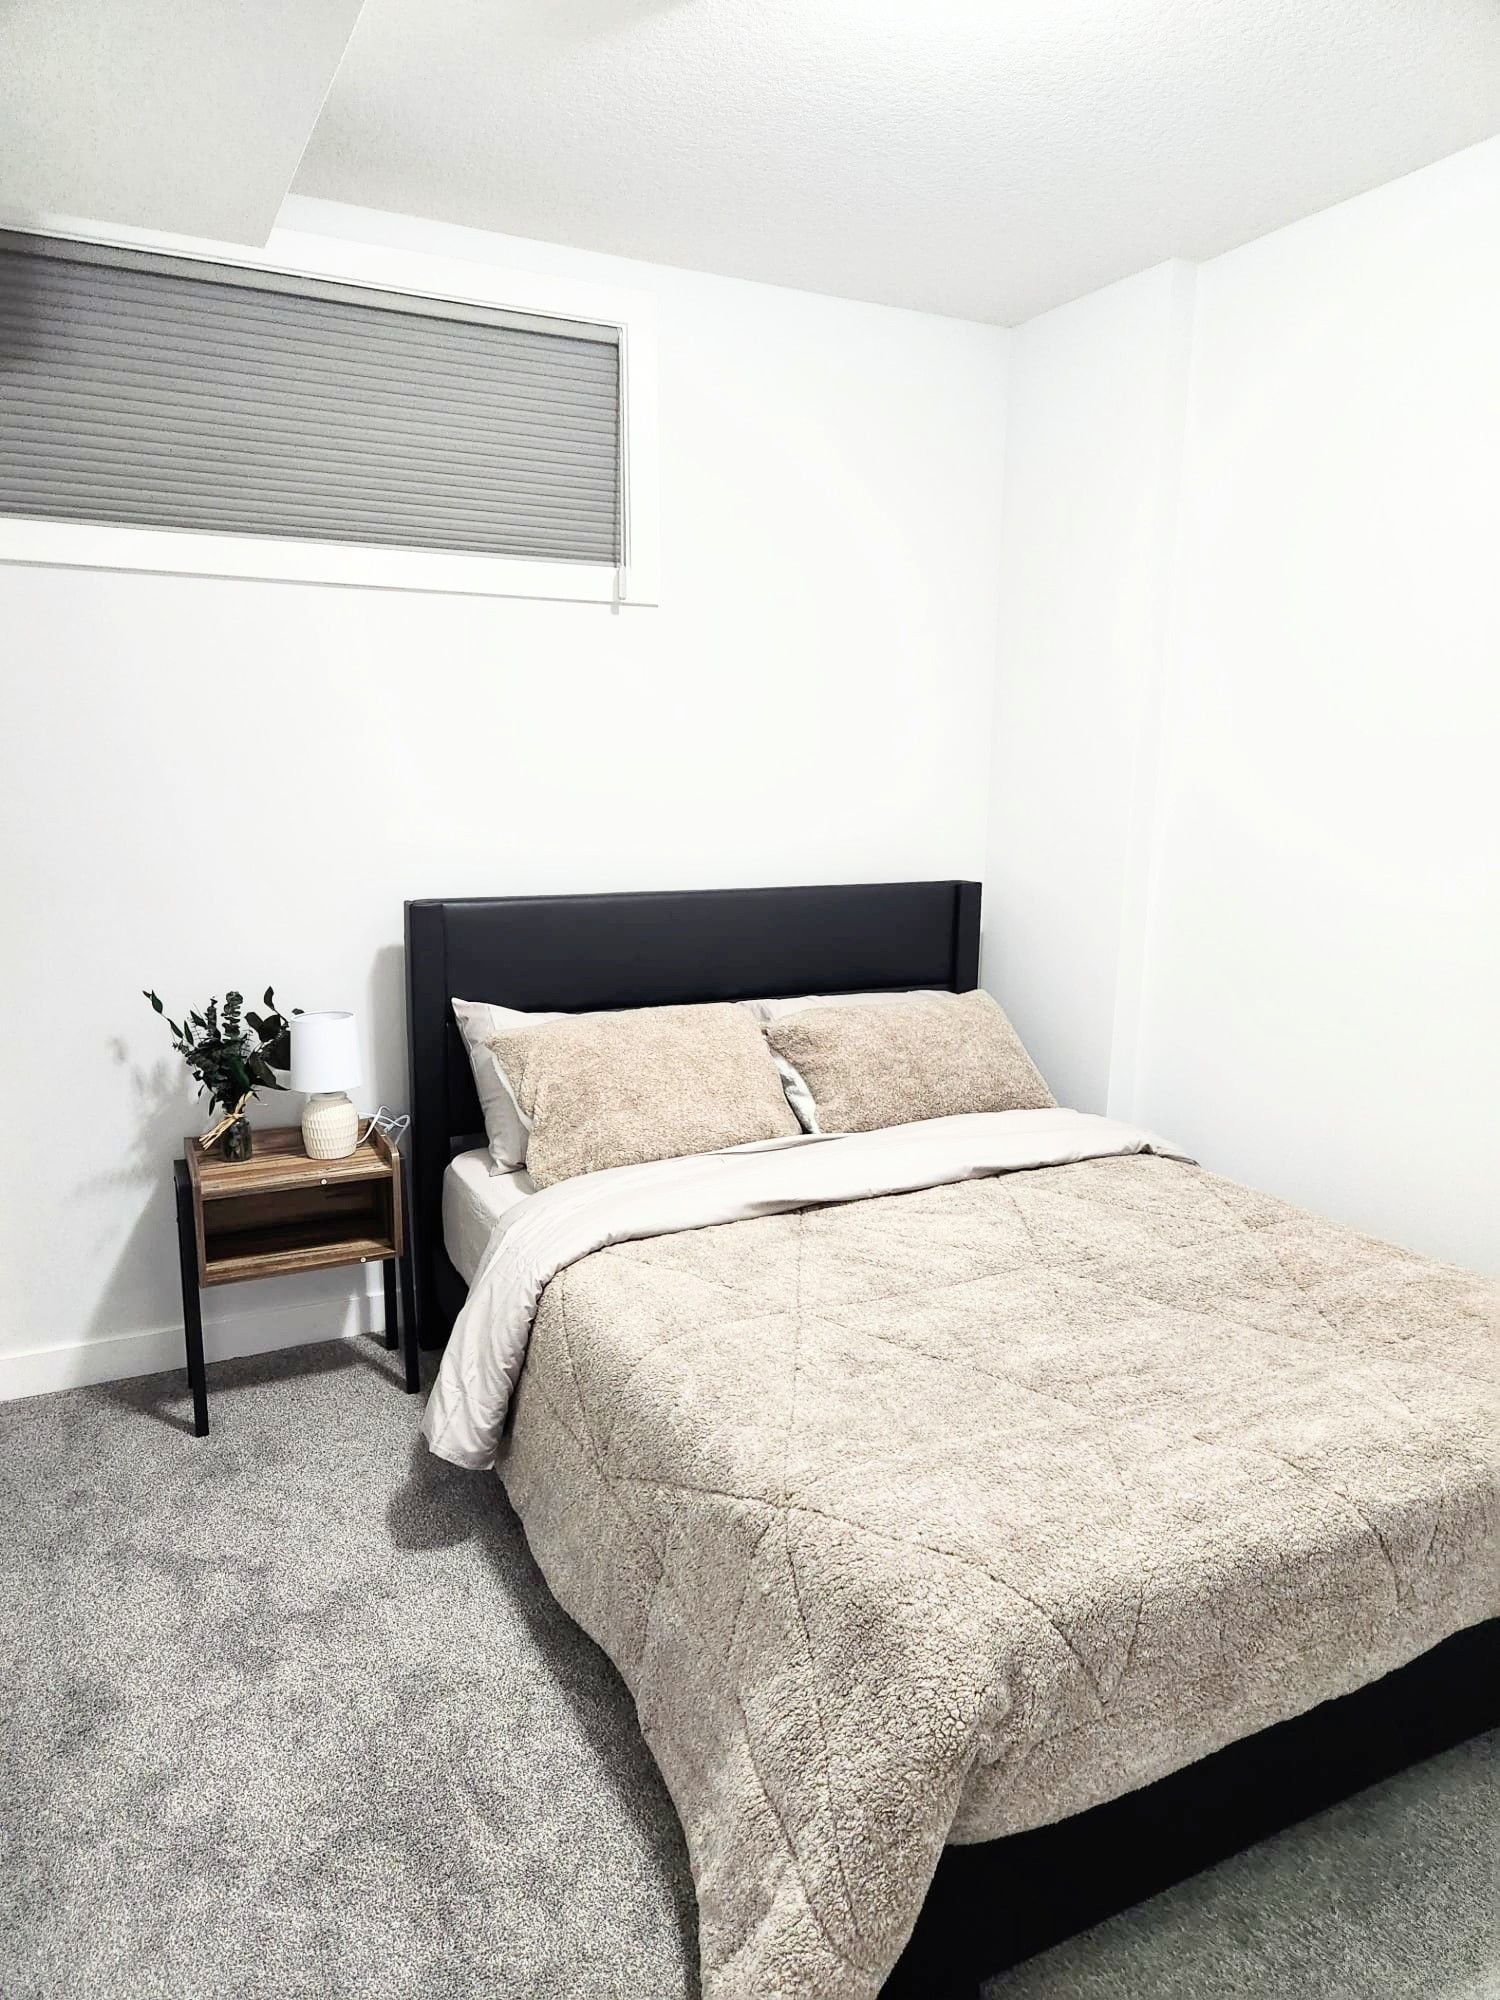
(279, 1213)
(280, 1253)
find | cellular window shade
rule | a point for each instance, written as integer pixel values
(164, 392)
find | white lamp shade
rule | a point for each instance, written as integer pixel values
(325, 1052)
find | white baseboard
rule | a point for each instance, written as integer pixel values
(37, 1371)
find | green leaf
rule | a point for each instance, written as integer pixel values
(156, 1003)
(277, 1050)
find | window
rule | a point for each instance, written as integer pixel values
(147, 392)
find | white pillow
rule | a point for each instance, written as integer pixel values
(479, 1022)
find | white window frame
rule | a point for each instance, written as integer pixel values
(635, 580)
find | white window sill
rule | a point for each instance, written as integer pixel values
(182, 552)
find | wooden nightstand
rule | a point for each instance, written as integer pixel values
(281, 1212)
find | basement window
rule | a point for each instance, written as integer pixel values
(229, 418)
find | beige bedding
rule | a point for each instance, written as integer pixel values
(939, 1515)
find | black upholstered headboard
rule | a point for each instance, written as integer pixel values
(573, 954)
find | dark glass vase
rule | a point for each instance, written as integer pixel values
(237, 1142)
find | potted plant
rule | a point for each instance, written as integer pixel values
(233, 1053)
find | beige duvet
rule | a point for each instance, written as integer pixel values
(942, 1514)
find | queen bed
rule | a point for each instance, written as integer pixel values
(996, 1518)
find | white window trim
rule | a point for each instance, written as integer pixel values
(295, 253)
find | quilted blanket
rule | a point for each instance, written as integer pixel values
(935, 1516)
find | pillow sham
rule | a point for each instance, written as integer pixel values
(651, 1083)
(933, 1056)
(479, 1022)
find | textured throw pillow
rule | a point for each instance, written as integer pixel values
(777, 1010)
(932, 1056)
(478, 1022)
(797, 1093)
(654, 1083)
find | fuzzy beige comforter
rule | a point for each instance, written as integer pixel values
(942, 1515)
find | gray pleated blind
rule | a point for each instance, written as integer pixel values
(164, 392)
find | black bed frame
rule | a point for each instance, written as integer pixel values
(572, 954)
(993, 1904)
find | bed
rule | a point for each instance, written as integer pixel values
(1111, 1768)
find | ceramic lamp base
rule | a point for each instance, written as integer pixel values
(330, 1126)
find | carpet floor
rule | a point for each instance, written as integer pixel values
(289, 1712)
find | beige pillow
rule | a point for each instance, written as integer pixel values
(777, 1010)
(797, 1093)
(654, 1083)
(932, 1056)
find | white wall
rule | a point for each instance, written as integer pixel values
(809, 703)
(1321, 1006)
(1093, 448)
(1309, 904)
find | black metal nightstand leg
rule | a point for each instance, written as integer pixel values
(410, 1347)
(388, 1270)
(192, 1307)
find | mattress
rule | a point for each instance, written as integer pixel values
(474, 1199)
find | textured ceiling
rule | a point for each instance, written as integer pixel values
(188, 118)
(982, 157)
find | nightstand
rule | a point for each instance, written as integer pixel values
(280, 1212)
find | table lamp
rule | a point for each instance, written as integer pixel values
(325, 1063)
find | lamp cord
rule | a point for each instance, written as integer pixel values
(391, 1126)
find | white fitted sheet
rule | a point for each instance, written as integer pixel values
(475, 1197)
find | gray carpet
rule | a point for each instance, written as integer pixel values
(289, 1712)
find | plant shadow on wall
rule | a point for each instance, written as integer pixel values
(385, 1012)
(141, 1293)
